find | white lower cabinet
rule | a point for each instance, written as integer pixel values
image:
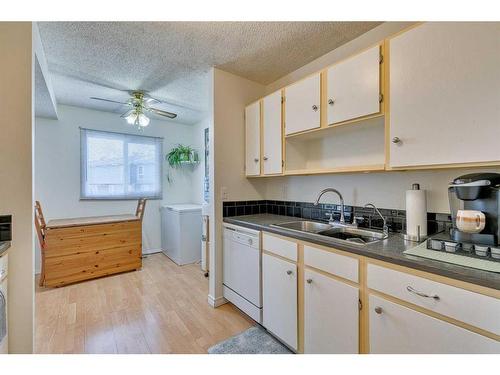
(331, 315)
(396, 329)
(279, 292)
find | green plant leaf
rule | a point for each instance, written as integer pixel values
(178, 155)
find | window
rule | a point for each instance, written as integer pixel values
(120, 166)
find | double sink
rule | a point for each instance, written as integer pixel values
(333, 231)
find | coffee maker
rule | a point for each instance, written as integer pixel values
(480, 192)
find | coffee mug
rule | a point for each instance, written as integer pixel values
(470, 221)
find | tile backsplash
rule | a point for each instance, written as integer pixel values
(366, 217)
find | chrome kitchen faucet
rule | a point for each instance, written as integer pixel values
(332, 190)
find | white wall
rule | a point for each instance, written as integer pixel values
(230, 96)
(385, 189)
(57, 169)
(16, 187)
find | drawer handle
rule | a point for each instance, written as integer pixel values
(289, 272)
(411, 290)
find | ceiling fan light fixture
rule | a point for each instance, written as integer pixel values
(143, 120)
(131, 118)
(140, 102)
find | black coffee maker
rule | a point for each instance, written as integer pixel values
(481, 192)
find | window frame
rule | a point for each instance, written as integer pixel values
(83, 166)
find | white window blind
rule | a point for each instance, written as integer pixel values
(120, 166)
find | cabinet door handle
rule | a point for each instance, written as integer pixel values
(414, 291)
(396, 140)
(314, 107)
(265, 158)
(309, 281)
(378, 310)
(331, 101)
(256, 160)
(289, 272)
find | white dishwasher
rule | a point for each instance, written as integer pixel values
(242, 260)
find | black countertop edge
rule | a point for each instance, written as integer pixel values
(4, 246)
(390, 250)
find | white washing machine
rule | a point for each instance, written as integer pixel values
(4, 343)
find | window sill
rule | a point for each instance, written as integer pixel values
(120, 198)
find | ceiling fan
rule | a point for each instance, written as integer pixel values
(140, 102)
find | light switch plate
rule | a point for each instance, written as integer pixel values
(223, 193)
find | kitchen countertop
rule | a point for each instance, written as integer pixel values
(389, 250)
(4, 246)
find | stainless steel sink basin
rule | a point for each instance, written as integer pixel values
(304, 226)
(335, 233)
(354, 235)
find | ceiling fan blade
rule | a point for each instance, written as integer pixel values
(161, 112)
(110, 101)
(127, 113)
(153, 99)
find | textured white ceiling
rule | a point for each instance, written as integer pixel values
(171, 59)
(43, 102)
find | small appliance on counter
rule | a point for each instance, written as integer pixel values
(473, 240)
(475, 208)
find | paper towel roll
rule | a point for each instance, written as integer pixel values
(416, 212)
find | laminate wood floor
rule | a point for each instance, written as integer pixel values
(160, 309)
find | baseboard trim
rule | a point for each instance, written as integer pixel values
(216, 302)
(151, 251)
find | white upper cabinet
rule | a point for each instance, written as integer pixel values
(252, 139)
(271, 128)
(302, 105)
(353, 88)
(445, 94)
(331, 315)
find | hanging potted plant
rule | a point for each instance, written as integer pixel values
(181, 155)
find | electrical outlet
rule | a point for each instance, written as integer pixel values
(223, 193)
